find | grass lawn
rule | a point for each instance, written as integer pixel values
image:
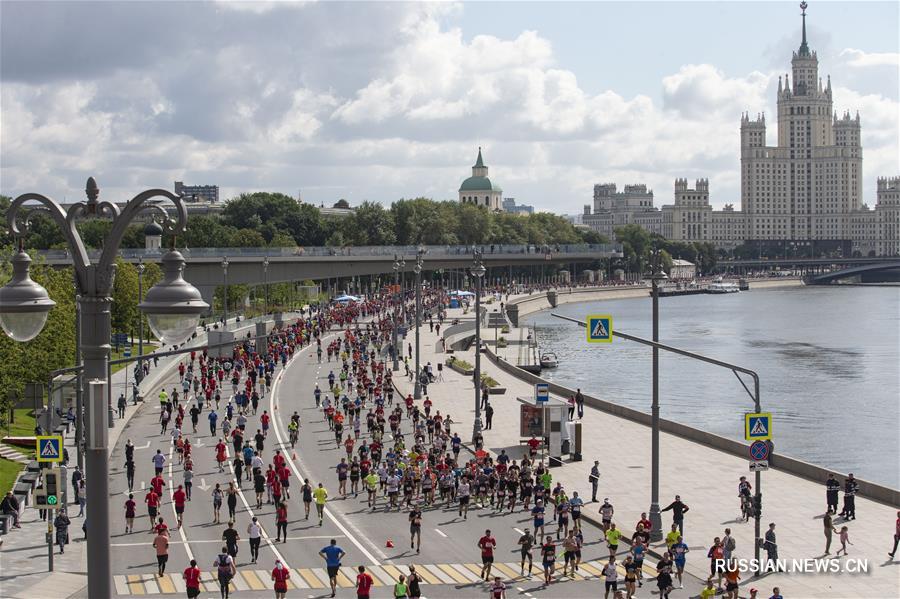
(22, 427)
(9, 470)
(118, 355)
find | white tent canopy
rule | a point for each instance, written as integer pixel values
(346, 298)
(462, 293)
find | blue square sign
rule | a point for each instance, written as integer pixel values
(49, 448)
(599, 328)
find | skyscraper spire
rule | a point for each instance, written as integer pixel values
(804, 49)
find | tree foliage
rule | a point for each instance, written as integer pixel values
(54, 347)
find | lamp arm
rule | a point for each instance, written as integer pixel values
(17, 210)
(128, 214)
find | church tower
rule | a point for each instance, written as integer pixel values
(479, 189)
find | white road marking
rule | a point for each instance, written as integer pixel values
(277, 429)
(440, 532)
(144, 544)
(187, 547)
(144, 446)
(262, 528)
(519, 530)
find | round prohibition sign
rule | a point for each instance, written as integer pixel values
(759, 450)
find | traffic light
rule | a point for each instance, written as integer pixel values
(48, 496)
(757, 505)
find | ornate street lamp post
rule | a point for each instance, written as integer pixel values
(173, 308)
(420, 253)
(478, 271)
(225, 292)
(656, 276)
(266, 281)
(139, 374)
(395, 308)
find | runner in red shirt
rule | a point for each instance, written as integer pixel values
(129, 513)
(191, 576)
(363, 583)
(221, 449)
(280, 575)
(157, 483)
(487, 544)
(152, 501)
(179, 497)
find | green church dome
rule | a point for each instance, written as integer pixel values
(478, 184)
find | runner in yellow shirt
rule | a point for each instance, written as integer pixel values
(320, 495)
(672, 537)
(612, 539)
(709, 591)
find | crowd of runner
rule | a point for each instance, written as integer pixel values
(398, 453)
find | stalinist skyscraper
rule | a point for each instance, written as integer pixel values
(804, 187)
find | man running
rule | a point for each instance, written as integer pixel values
(487, 544)
(320, 495)
(415, 528)
(332, 554)
(526, 542)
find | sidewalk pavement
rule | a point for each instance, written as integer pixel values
(705, 478)
(23, 559)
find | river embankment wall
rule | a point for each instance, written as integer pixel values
(790, 465)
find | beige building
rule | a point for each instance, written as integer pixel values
(479, 189)
(805, 190)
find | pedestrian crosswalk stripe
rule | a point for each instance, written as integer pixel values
(427, 576)
(310, 578)
(475, 569)
(392, 571)
(384, 575)
(506, 570)
(466, 574)
(591, 569)
(379, 576)
(452, 573)
(253, 581)
(439, 574)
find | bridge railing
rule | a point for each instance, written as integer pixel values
(378, 250)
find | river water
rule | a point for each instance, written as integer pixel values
(828, 360)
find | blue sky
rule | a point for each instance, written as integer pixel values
(384, 100)
(630, 46)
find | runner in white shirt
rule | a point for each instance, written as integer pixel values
(462, 493)
(393, 489)
(254, 532)
(611, 577)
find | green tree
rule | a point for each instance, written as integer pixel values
(124, 309)
(370, 224)
(54, 347)
(635, 246)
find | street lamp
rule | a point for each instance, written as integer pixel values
(478, 271)
(266, 280)
(655, 517)
(396, 267)
(173, 308)
(225, 293)
(417, 389)
(139, 375)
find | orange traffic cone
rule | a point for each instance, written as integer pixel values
(389, 544)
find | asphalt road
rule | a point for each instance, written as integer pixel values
(449, 558)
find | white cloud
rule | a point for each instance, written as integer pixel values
(860, 58)
(380, 101)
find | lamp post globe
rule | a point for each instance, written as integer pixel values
(173, 306)
(24, 305)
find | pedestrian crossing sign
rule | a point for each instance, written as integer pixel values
(49, 448)
(599, 328)
(758, 426)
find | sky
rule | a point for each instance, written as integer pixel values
(387, 100)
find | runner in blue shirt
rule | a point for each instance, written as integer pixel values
(332, 554)
(679, 551)
(537, 513)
